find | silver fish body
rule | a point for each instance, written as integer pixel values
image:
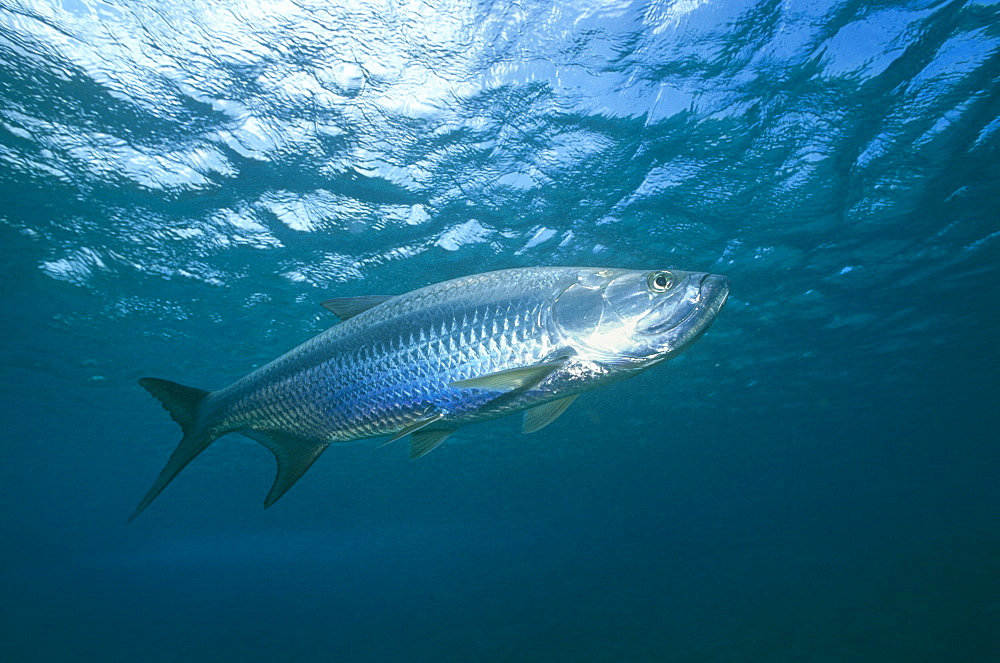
(446, 355)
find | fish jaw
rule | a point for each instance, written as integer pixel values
(628, 322)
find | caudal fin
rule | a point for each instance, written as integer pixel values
(183, 404)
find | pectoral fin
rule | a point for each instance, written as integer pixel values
(348, 307)
(514, 378)
(295, 455)
(541, 416)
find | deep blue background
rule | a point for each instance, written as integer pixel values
(815, 480)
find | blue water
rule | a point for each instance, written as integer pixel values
(816, 479)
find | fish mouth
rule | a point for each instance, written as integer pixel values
(694, 314)
(713, 291)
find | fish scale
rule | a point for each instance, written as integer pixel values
(448, 354)
(432, 360)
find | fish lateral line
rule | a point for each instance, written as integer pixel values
(409, 357)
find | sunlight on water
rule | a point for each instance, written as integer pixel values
(183, 183)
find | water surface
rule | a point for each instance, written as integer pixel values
(814, 480)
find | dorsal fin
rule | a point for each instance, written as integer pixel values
(348, 307)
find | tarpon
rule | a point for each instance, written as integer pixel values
(432, 360)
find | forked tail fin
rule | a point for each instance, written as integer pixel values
(183, 404)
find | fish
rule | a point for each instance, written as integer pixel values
(425, 363)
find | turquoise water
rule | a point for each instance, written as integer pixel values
(816, 479)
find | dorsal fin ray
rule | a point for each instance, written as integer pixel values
(346, 308)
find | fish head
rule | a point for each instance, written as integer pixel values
(631, 317)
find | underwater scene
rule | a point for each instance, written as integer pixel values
(681, 317)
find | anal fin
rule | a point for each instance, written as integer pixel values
(294, 454)
(422, 441)
(425, 441)
(414, 427)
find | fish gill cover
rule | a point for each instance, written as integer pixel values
(182, 184)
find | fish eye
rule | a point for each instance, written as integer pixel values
(660, 281)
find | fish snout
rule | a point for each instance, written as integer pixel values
(713, 289)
